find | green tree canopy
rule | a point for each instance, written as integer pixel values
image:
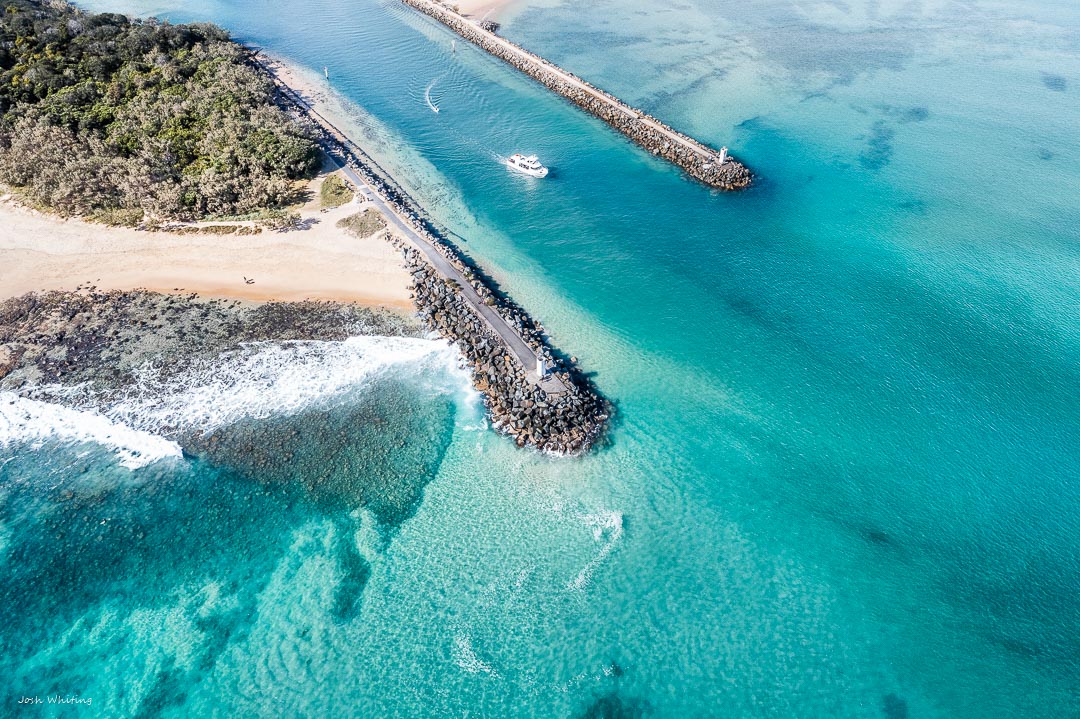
(102, 112)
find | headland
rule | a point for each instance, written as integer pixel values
(238, 217)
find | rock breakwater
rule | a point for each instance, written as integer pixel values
(566, 421)
(533, 393)
(713, 167)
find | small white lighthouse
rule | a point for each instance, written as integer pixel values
(723, 155)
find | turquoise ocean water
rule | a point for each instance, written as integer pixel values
(844, 480)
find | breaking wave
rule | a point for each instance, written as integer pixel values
(257, 381)
(465, 657)
(29, 421)
(263, 380)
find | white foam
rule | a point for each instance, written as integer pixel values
(31, 421)
(607, 671)
(465, 657)
(256, 381)
(427, 96)
(272, 379)
(607, 527)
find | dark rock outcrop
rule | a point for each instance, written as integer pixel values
(104, 338)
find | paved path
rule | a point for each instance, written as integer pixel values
(436, 259)
(498, 324)
(523, 54)
(509, 334)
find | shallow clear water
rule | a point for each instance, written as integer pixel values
(844, 476)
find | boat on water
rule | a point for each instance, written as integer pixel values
(529, 165)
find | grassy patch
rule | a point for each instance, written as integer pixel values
(335, 192)
(116, 217)
(213, 230)
(280, 220)
(363, 224)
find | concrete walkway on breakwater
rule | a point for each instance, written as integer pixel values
(710, 166)
(509, 336)
(498, 325)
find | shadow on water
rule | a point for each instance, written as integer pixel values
(169, 690)
(894, 707)
(1052, 81)
(613, 706)
(879, 146)
(355, 571)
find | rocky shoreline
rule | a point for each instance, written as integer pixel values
(102, 339)
(568, 419)
(712, 167)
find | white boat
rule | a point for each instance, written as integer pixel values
(529, 165)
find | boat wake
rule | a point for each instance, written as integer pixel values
(607, 527)
(427, 96)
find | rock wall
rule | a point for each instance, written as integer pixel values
(698, 160)
(566, 423)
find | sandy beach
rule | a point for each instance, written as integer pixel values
(480, 8)
(319, 261)
(39, 251)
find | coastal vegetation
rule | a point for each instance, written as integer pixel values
(118, 119)
(212, 229)
(279, 219)
(363, 224)
(335, 192)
